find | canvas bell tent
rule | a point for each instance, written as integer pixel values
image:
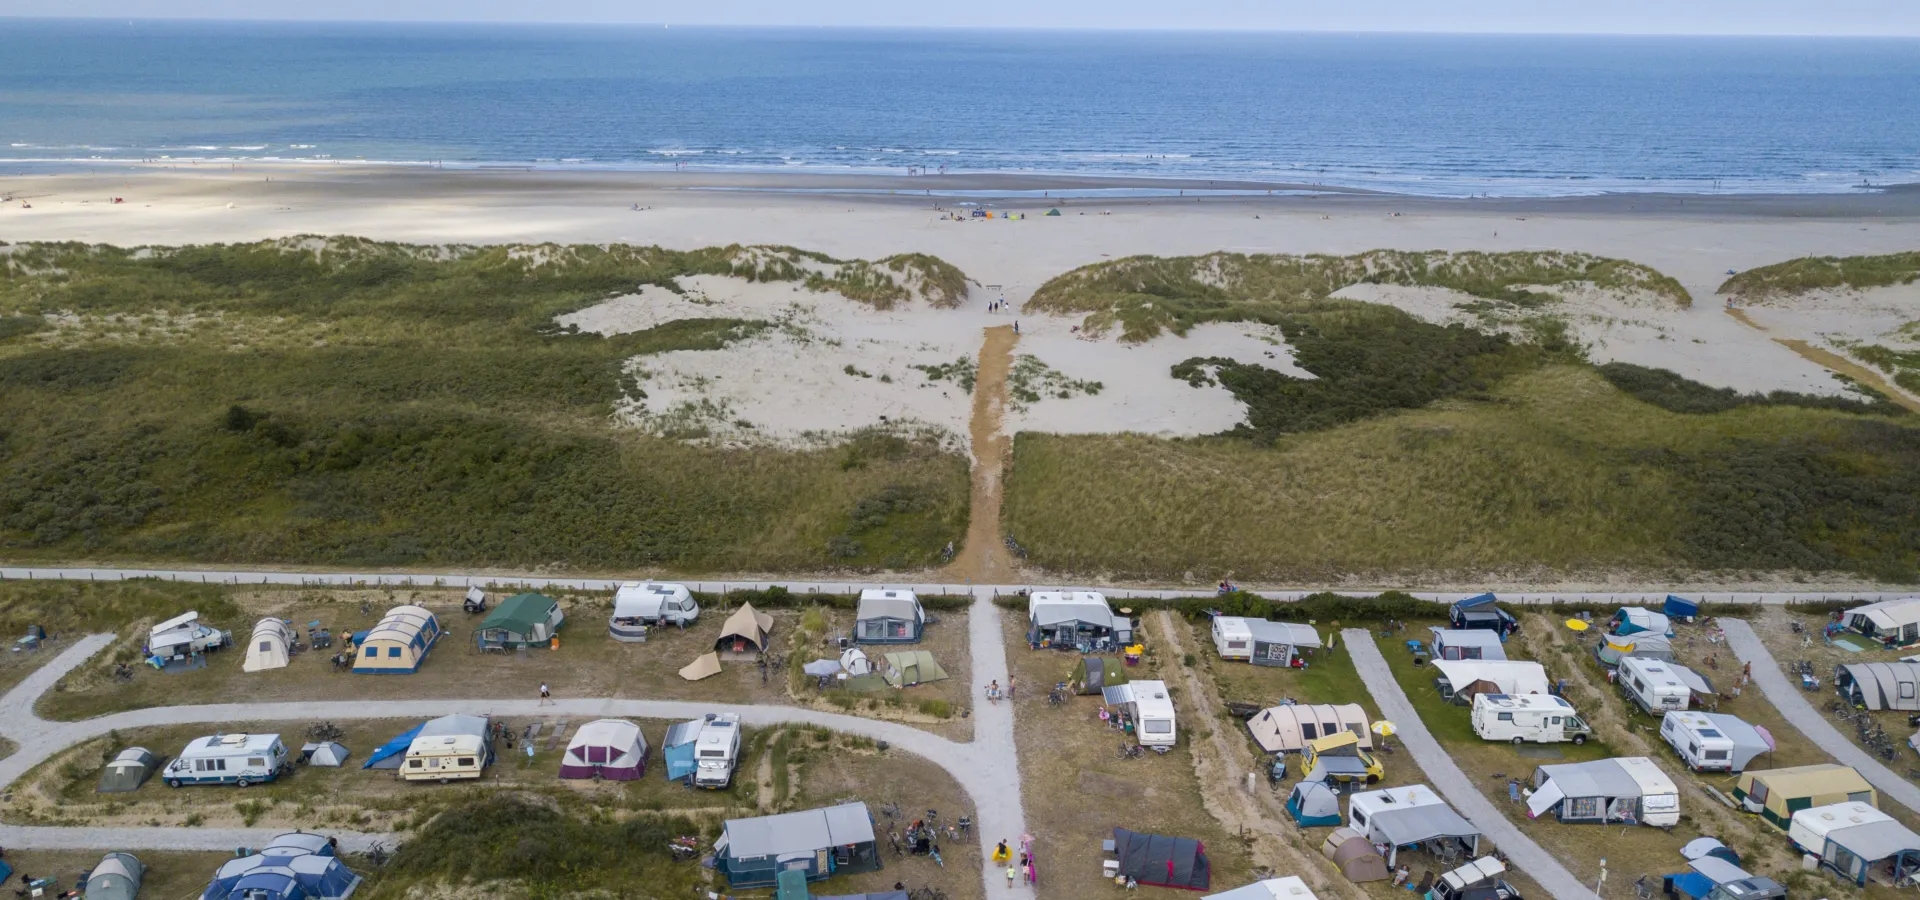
(819, 842)
(1287, 728)
(297, 866)
(888, 617)
(706, 665)
(116, 877)
(522, 620)
(1162, 861)
(128, 771)
(745, 632)
(1355, 856)
(613, 749)
(1625, 790)
(1313, 804)
(267, 649)
(1776, 794)
(398, 643)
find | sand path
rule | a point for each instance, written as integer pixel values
(984, 559)
(1834, 362)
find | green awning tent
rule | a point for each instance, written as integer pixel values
(522, 620)
(910, 667)
(866, 684)
(1094, 674)
(1053, 212)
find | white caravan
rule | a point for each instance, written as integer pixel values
(1151, 707)
(1535, 718)
(1652, 684)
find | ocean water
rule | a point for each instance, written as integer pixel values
(1437, 115)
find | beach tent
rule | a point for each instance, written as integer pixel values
(677, 748)
(1481, 611)
(1639, 620)
(116, 877)
(1460, 679)
(707, 666)
(328, 754)
(1895, 623)
(745, 631)
(1287, 728)
(297, 866)
(1093, 674)
(128, 771)
(910, 667)
(888, 617)
(522, 620)
(820, 842)
(398, 643)
(1877, 686)
(1857, 841)
(1403, 816)
(1355, 856)
(267, 649)
(1074, 619)
(389, 754)
(1614, 647)
(1776, 794)
(1288, 887)
(1467, 643)
(854, 662)
(1627, 789)
(1313, 804)
(1162, 861)
(1680, 609)
(1053, 212)
(613, 749)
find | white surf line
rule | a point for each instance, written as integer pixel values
(316, 578)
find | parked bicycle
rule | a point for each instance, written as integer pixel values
(1132, 751)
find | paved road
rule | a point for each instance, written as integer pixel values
(1791, 701)
(986, 767)
(503, 579)
(1467, 800)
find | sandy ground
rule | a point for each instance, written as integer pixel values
(802, 389)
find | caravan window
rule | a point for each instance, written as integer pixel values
(1554, 721)
(416, 764)
(257, 762)
(1759, 792)
(1157, 726)
(466, 760)
(1693, 749)
(266, 646)
(1715, 754)
(1506, 717)
(1359, 818)
(1236, 645)
(713, 754)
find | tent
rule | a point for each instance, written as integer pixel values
(128, 771)
(1646, 645)
(820, 842)
(1638, 620)
(745, 631)
(1288, 887)
(1876, 686)
(613, 749)
(1895, 623)
(1776, 794)
(1053, 212)
(297, 866)
(1093, 674)
(707, 666)
(327, 754)
(1680, 608)
(1313, 804)
(854, 661)
(888, 617)
(1857, 841)
(1355, 856)
(1162, 861)
(1404, 816)
(678, 746)
(910, 667)
(389, 754)
(116, 877)
(1459, 679)
(522, 620)
(823, 667)
(267, 649)
(1275, 643)
(398, 643)
(1287, 728)
(1467, 643)
(1706, 846)
(1628, 789)
(1071, 620)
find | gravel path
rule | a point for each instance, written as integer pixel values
(1467, 800)
(1792, 703)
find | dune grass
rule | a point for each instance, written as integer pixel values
(342, 401)
(1812, 273)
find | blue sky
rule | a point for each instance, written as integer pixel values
(1848, 17)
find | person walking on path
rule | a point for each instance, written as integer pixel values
(1010, 683)
(546, 696)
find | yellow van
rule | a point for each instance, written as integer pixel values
(1340, 758)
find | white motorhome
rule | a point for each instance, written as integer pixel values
(183, 635)
(653, 603)
(717, 751)
(1713, 742)
(1535, 718)
(1151, 708)
(236, 759)
(1651, 684)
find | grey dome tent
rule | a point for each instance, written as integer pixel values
(325, 753)
(1313, 804)
(128, 771)
(117, 877)
(1163, 861)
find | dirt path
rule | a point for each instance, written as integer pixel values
(984, 559)
(1222, 763)
(1834, 362)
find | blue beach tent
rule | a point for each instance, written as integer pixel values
(389, 754)
(1680, 608)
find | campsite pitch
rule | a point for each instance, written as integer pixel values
(168, 875)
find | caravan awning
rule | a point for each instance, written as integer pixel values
(1694, 681)
(1288, 633)
(1512, 677)
(1876, 840)
(1421, 823)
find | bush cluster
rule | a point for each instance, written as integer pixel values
(1675, 393)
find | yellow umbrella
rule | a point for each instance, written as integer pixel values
(1577, 625)
(1383, 728)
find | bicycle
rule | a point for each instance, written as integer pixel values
(1132, 751)
(322, 732)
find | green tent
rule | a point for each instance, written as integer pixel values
(1096, 673)
(1053, 212)
(521, 620)
(910, 667)
(865, 684)
(792, 885)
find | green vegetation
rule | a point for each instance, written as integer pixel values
(74, 607)
(1676, 394)
(961, 371)
(342, 401)
(1148, 295)
(1812, 273)
(1031, 380)
(1902, 365)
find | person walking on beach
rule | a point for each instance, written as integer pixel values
(546, 696)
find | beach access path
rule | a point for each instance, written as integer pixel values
(1452, 783)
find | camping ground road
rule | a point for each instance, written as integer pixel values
(1454, 784)
(1793, 706)
(985, 767)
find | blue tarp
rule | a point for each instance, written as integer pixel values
(1689, 884)
(393, 748)
(1680, 607)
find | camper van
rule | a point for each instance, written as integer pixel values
(717, 751)
(654, 603)
(1535, 718)
(1652, 685)
(1709, 742)
(1151, 709)
(1477, 880)
(236, 759)
(183, 635)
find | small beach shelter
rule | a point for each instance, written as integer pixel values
(677, 748)
(128, 771)
(745, 632)
(1877, 686)
(910, 667)
(854, 662)
(330, 754)
(1355, 856)
(267, 649)
(390, 754)
(1162, 861)
(1093, 674)
(1895, 623)
(116, 877)
(888, 617)
(1288, 727)
(707, 666)
(1776, 794)
(1467, 643)
(522, 620)
(613, 749)
(1288, 887)
(398, 643)
(1053, 212)
(1313, 804)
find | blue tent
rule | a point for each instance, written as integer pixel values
(297, 866)
(677, 748)
(1688, 885)
(1314, 805)
(389, 754)
(1680, 608)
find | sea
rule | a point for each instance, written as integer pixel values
(1440, 115)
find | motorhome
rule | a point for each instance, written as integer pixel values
(1713, 742)
(1652, 685)
(236, 759)
(717, 751)
(1150, 707)
(1530, 718)
(183, 635)
(652, 603)
(449, 748)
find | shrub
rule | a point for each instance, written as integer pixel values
(937, 708)
(1674, 393)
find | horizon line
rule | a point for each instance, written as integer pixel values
(778, 26)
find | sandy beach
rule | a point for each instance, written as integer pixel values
(753, 390)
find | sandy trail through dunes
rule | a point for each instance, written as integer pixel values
(984, 559)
